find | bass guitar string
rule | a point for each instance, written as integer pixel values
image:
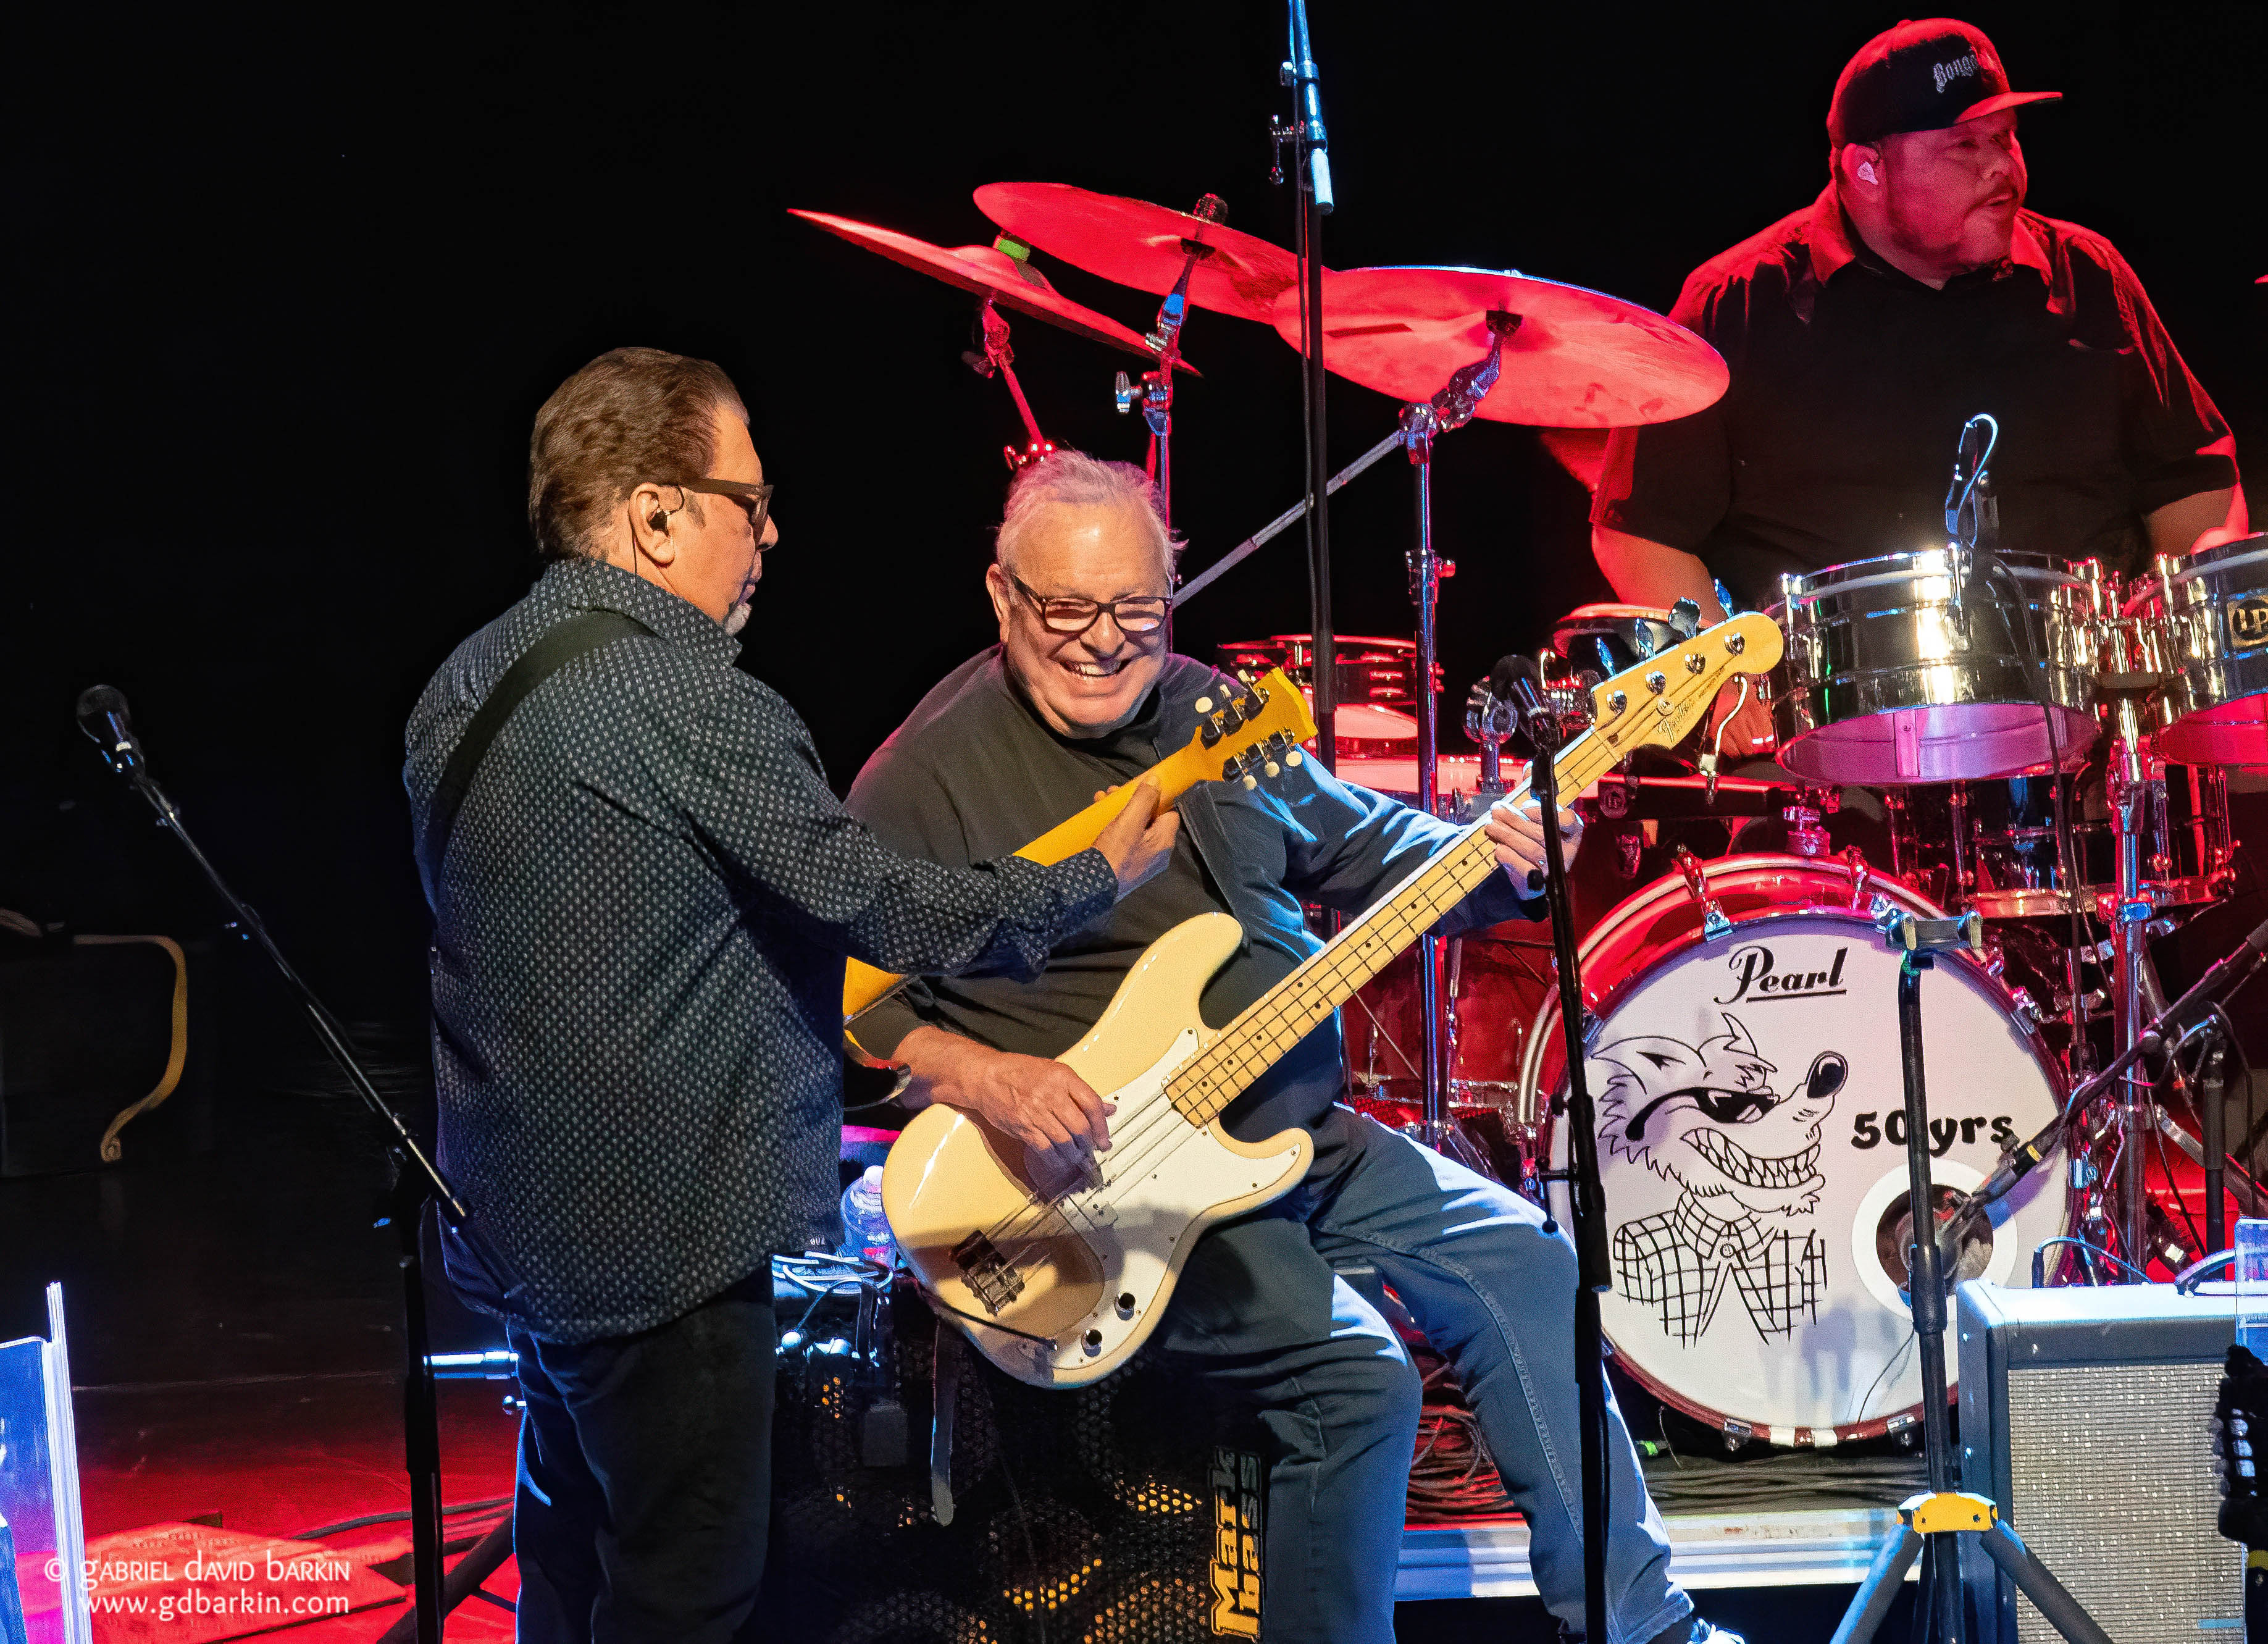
(1167, 1121)
(1366, 947)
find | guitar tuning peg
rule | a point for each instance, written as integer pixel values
(1252, 782)
(1204, 704)
(1295, 758)
(1273, 768)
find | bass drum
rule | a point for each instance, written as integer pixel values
(1752, 1140)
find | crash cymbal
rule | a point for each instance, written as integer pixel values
(1578, 359)
(989, 273)
(1134, 243)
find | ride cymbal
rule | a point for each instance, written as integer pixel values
(1134, 243)
(1577, 358)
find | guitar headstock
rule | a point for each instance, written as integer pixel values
(1256, 729)
(1661, 699)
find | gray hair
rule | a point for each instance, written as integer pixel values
(1071, 479)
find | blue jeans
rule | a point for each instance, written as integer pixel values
(1261, 1309)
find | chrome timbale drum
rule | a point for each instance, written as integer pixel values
(1903, 669)
(2209, 611)
(1752, 1141)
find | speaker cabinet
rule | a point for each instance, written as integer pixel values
(2085, 1415)
(1124, 1512)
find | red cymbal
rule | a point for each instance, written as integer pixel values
(1134, 243)
(990, 273)
(1579, 359)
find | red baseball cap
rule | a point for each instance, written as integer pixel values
(1920, 77)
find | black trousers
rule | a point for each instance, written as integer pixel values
(645, 1489)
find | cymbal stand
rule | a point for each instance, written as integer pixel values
(999, 356)
(2137, 793)
(1421, 422)
(1282, 521)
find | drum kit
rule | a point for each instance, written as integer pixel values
(2039, 742)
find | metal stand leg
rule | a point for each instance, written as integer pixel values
(2033, 1580)
(1872, 1602)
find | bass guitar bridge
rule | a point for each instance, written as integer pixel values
(995, 1281)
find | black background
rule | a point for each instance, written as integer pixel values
(286, 296)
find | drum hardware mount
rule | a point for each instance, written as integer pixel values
(1489, 724)
(1936, 1518)
(1154, 394)
(995, 354)
(1806, 836)
(1714, 924)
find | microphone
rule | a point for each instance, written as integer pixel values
(2228, 973)
(103, 716)
(1971, 516)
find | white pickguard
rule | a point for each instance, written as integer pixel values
(1163, 1181)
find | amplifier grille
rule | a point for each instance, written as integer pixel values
(2111, 1483)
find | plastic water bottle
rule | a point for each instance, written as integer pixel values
(2252, 1286)
(865, 1229)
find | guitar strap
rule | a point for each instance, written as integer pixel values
(559, 644)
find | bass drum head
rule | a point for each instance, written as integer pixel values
(1751, 1143)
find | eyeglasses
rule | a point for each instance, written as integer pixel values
(1143, 614)
(755, 500)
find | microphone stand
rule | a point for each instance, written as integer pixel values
(1586, 1193)
(415, 1181)
(1311, 149)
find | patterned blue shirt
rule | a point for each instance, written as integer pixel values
(637, 980)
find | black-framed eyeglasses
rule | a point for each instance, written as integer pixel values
(755, 500)
(1142, 614)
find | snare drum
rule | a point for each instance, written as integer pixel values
(1903, 669)
(2210, 612)
(1752, 1141)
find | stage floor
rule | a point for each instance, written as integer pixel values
(284, 1455)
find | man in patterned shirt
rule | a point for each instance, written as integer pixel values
(641, 914)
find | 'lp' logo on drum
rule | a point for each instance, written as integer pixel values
(2247, 619)
(1757, 978)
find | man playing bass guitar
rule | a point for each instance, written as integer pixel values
(1080, 695)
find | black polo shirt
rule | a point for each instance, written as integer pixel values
(1851, 382)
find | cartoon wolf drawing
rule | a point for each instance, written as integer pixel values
(1745, 1162)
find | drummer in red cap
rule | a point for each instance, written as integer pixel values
(1862, 332)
